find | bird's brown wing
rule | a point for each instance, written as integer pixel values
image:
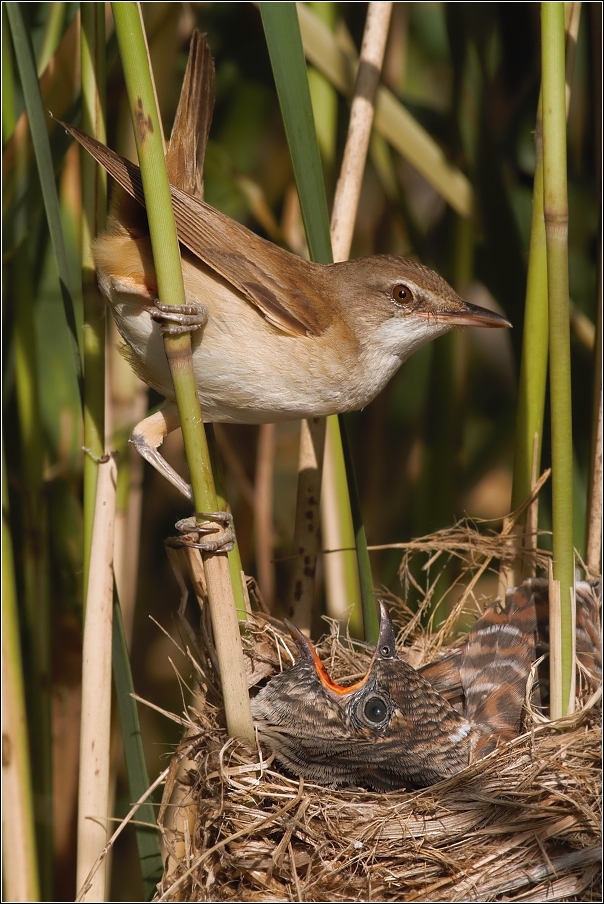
(283, 287)
(497, 659)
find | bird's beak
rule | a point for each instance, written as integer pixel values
(309, 655)
(467, 315)
(385, 649)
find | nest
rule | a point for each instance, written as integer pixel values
(523, 824)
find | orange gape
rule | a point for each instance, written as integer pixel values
(399, 727)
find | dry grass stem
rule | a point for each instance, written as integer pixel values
(362, 111)
(96, 688)
(263, 512)
(306, 530)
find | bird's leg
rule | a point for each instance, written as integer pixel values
(148, 436)
(193, 530)
(175, 319)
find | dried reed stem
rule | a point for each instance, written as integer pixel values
(96, 687)
(348, 190)
(306, 534)
(263, 512)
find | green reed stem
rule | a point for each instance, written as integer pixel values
(164, 241)
(556, 230)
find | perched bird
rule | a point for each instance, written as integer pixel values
(276, 337)
(399, 727)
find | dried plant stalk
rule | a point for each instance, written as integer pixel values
(95, 731)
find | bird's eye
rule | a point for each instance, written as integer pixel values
(375, 710)
(402, 294)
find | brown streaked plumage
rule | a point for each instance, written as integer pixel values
(427, 725)
(390, 730)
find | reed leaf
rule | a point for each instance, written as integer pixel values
(37, 123)
(282, 32)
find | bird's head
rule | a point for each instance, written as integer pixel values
(390, 729)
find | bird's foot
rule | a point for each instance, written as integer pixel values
(175, 319)
(192, 531)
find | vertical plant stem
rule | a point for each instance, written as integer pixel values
(348, 190)
(147, 840)
(127, 403)
(287, 58)
(593, 557)
(282, 32)
(166, 255)
(306, 534)
(34, 552)
(94, 207)
(342, 588)
(343, 219)
(342, 228)
(370, 615)
(9, 114)
(234, 556)
(324, 98)
(37, 124)
(285, 48)
(18, 844)
(556, 231)
(52, 33)
(263, 512)
(342, 593)
(95, 737)
(533, 366)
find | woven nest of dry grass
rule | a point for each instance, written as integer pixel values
(523, 824)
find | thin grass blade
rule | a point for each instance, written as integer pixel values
(33, 101)
(147, 839)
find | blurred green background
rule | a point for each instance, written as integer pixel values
(438, 443)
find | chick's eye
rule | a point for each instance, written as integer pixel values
(375, 710)
(402, 294)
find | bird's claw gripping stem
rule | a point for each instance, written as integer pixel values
(192, 527)
(175, 319)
